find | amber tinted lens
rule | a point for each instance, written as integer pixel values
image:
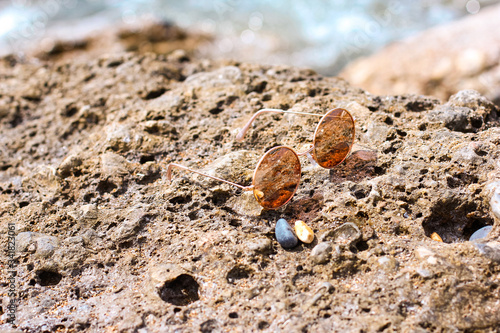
(334, 138)
(276, 177)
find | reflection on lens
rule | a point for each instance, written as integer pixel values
(334, 138)
(276, 177)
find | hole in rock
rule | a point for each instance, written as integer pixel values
(155, 93)
(453, 219)
(105, 186)
(48, 278)
(193, 215)
(481, 152)
(70, 110)
(181, 291)
(361, 191)
(401, 133)
(218, 108)
(146, 158)
(208, 326)
(476, 122)
(473, 227)
(420, 105)
(238, 273)
(88, 196)
(180, 199)
(361, 246)
(234, 222)
(263, 325)
(219, 197)
(233, 315)
(59, 328)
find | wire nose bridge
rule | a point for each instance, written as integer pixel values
(309, 156)
(308, 151)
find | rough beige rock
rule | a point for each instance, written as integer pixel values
(419, 166)
(441, 61)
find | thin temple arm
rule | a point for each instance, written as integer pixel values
(245, 128)
(172, 165)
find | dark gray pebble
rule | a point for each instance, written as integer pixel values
(481, 233)
(285, 235)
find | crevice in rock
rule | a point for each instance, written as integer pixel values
(183, 290)
(238, 273)
(48, 278)
(453, 219)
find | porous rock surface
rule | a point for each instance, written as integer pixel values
(105, 243)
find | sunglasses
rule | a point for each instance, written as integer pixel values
(277, 175)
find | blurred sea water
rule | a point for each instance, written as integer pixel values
(322, 34)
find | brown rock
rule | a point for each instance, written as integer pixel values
(464, 54)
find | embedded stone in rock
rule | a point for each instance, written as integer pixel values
(24, 239)
(481, 233)
(388, 263)
(303, 232)
(130, 226)
(43, 181)
(46, 246)
(113, 164)
(85, 214)
(285, 235)
(68, 165)
(260, 245)
(435, 236)
(348, 233)
(43, 245)
(321, 253)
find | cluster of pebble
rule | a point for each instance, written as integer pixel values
(329, 242)
(288, 238)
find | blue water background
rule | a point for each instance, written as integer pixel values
(324, 35)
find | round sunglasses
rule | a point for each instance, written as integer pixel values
(277, 175)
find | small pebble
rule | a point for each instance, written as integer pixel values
(436, 237)
(321, 253)
(285, 235)
(481, 233)
(425, 273)
(303, 232)
(388, 263)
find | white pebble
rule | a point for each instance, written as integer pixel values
(303, 232)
